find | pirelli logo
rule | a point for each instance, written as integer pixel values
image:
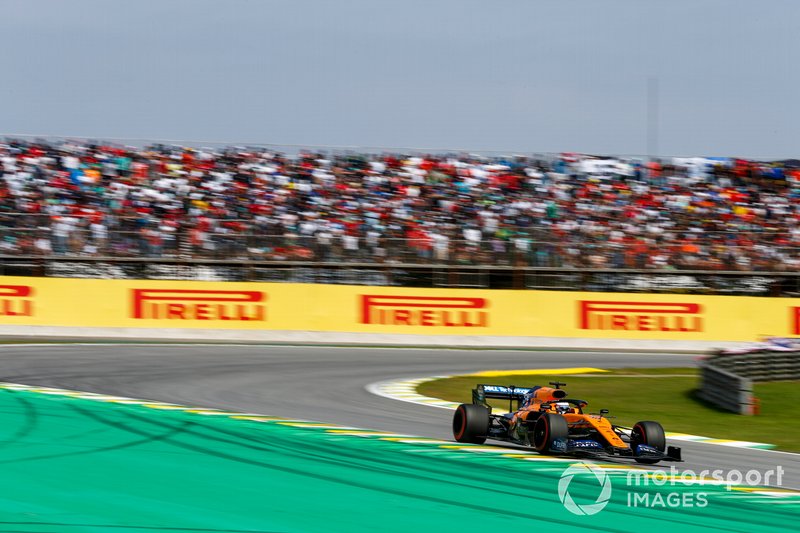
(640, 316)
(431, 311)
(16, 300)
(169, 304)
(794, 320)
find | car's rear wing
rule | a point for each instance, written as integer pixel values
(484, 392)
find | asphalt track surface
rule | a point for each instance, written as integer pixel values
(328, 384)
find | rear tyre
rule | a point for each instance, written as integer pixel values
(651, 434)
(471, 423)
(547, 429)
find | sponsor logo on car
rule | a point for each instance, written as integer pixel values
(424, 311)
(16, 300)
(585, 444)
(170, 304)
(640, 316)
(506, 390)
(644, 449)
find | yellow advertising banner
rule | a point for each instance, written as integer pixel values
(335, 308)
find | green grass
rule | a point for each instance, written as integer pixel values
(631, 396)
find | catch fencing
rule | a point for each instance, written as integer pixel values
(200, 239)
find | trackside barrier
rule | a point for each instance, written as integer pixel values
(764, 365)
(245, 310)
(726, 390)
(726, 380)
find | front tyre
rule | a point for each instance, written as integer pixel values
(650, 434)
(471, 423)
(548, 428)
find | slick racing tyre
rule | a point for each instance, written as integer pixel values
(471, 423)
(548, 428)
(650, 434)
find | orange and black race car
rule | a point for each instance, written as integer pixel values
(545, 419)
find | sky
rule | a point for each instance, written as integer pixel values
(507, 75)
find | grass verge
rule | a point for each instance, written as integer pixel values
(662, 394)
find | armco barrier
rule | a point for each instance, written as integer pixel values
(725, 390)
(462, 315)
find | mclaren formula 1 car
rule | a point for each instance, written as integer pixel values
(546, 420)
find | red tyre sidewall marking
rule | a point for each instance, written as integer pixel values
(642, 434)
(463, 422)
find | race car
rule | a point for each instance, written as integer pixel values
(546, 420)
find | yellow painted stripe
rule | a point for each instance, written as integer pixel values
(316, 425)
(546, 459)
(258, 418)
(364, 432)
(220, 413)
(378, 435)
(766, 489)
(308, 425)
(412, 440)
(482, 449)
(537, 372)
(661, 474)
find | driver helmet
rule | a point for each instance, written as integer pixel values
(562, 407)
(528, 397)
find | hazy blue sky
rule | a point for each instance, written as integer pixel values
(532, 75)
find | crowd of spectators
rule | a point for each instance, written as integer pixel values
(569, 210)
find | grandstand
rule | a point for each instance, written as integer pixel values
(562, 221)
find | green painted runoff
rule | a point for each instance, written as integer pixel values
(77, 465)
